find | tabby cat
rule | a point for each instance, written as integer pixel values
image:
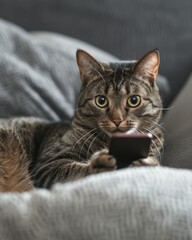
(114, 97)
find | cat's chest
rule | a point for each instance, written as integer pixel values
(74, 144)
(83, 144)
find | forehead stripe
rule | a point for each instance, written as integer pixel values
(118, 77)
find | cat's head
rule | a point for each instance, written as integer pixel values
(118, 97)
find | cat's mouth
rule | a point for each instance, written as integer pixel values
(120, 130)
(129, 131)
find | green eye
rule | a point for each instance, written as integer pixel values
(134, 101)
(101, 101)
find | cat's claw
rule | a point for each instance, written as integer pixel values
(101, 161)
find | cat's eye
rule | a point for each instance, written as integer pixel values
(134, 101)
(101, 101)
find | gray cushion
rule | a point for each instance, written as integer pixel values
(124, 28)
(39, 75)
(178, 130)
(140, 204)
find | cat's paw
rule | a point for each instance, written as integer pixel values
(150, 161)
(102, 162)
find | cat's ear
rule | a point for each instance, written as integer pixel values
(88, 66)
(148, 65)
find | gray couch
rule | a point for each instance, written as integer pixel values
(124, 28)
(38, 76)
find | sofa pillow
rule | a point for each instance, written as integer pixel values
(39, 75)
(178, 130)
(138, 203)
(124, 28)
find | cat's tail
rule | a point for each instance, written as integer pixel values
(14, 175)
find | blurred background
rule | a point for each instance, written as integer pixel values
(124, 28)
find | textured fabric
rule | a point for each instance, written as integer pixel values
(124, 28)
(178, 126)
(39, 75)
(144, 203)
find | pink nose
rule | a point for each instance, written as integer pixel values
(117, 121)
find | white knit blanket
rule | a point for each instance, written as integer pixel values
(140, 204)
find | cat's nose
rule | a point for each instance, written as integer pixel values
(117, 121)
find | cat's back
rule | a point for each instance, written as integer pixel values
(19, 139)
(19, 122)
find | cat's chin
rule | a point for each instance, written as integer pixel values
(129, 131)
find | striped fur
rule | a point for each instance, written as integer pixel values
(13, 165)
(38, 153)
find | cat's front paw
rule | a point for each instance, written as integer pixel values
(150, 161)
(102, 162)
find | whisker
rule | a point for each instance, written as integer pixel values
(165, 109)
(103, 134)
(159, 153)
(86, 142)
(155, 135)
(89, 132)
(157, 124)
(161, 143)
(90, 145)
(139, 131)
(153, 142)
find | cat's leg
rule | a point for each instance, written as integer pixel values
(101, 161)
(154, 153)
(64, 170)
(150, 161)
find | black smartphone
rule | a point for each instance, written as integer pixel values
(129, 147)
